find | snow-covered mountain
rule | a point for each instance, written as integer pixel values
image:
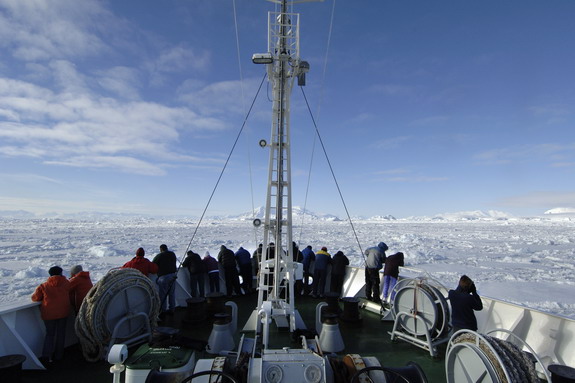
(297, 214)
(466, 216)
(560, 210)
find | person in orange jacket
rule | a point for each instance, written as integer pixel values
(54, 296)
(143, 264)
(80, 284)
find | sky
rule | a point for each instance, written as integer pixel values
(423, 107)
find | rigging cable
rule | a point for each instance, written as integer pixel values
(243, 108)
(225, 166)
(318, 115)
(163, 299)
(333, 174)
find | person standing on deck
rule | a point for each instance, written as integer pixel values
(390, 275)
(322, 260)
(167, 270)
(195, 266)
(308, 258)
(464, 300)
(227, 259)
(375, 258)
(80, 285)
(244, 261)
(213, 269)
(54, 298)
(139, 262)
(338, 267)
(256, 259)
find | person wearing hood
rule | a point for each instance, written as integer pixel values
(196, 268)
(139, 262)
(213, 269)
(54, 298)
(390, 275)
(227, 259)
(339, 263)
(464, 301)
(80, 285)
(375, 258)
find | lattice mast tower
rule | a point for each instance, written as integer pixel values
(276, 281)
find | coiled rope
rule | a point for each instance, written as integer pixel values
(518, 365)
(91, 325)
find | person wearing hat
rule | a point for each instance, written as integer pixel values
(80, 284)
(139, 262)
(322, 260)
(374, 260)
(54, 298)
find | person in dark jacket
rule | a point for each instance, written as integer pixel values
(213, 269)
(322, 260)
(139, 262)
(227, 259)
(308, 258)
(54, 298)
(167, 270)
(390, 274)
(464, 300)
(195, 266)
(338, 267)
(297, 254)
(374, 260)
(256, 259)
(244, 261)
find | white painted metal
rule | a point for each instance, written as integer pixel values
(276, 281)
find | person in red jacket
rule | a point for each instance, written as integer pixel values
(80, 284)
(54, 296)
(140, 263)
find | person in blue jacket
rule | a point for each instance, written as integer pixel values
(374, 260)
(464, 301)
(308, 258)
(322, 260)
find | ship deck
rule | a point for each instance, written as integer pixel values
(367, 337)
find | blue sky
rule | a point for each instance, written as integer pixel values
(424, 107)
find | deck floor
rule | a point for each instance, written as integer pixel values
(368, 337)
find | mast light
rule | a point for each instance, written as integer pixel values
(262, 58)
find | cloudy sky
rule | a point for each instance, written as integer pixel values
(133, 106)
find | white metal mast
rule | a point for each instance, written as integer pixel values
(276, 281)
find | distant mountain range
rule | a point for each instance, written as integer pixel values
(298, 213)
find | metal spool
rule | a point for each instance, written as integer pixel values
(473, 357)
(131, 299)
(417, 296)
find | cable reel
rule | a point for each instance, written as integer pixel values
(421, 313)
(473, 357)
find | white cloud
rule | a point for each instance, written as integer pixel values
(526, 153)
(47, 29)
(541, 199)
(393, 142)
(121, 163)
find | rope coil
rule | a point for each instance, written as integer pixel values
(516, 363)
(92, 323)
